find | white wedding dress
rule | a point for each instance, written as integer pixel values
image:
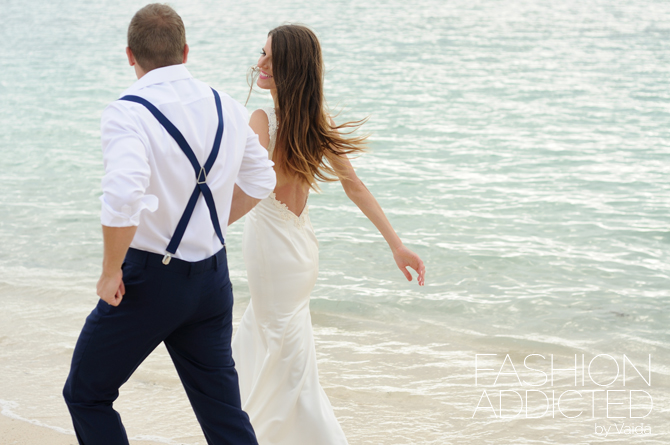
(273, 347)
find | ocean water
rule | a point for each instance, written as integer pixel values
(522, 148)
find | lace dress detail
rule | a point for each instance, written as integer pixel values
(272, 127)
(286, 214)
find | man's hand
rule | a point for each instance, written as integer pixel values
(110, 285)
(110, 288)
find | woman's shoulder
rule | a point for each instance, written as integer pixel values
(264, 124)
(265, 119)
(259, 116)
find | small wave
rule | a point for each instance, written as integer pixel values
(7, 409)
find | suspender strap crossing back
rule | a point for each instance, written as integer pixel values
(200, 172)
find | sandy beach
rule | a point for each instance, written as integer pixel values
(18, 432)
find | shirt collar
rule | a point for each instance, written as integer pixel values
(159, 75)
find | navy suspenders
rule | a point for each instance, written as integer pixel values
(200, 172)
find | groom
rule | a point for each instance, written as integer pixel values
(175, 152)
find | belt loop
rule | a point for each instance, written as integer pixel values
(216, 262)
(139, 257)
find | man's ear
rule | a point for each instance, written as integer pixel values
(131, 57)
(185, 53)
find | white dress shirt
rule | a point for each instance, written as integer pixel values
(148, 178)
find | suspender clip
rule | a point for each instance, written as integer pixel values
(167, 258)
(202, 176)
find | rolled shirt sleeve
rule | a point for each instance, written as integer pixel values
(256, 177)
(127, 170)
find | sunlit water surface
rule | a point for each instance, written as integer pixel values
(521, 148)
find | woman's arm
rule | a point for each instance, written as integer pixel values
(361, 196)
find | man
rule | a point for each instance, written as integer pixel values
(175, 152)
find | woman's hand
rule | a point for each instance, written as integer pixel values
(404, 257)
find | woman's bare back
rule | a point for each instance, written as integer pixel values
(291, 190)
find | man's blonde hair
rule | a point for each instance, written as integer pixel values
(157, 37)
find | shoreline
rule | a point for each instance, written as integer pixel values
(22, 432)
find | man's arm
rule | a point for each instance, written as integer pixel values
(124, 197)
(256, 178)
(242, 204)
(116, 241)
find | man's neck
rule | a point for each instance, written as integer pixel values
(139, 71)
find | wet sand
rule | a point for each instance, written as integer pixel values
(18, 432)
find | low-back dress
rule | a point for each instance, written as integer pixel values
(273, 347)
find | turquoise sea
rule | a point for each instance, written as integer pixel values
(522, 148)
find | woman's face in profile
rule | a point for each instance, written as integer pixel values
(265, 79)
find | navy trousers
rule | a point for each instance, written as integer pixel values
(189, 307)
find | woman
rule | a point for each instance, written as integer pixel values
(274, 347)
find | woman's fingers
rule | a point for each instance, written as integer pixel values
(422, 274)
(420, 270)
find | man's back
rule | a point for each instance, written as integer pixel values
(149, 179)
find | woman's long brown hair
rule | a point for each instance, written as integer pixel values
(307, 144)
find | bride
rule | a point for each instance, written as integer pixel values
(274, 346)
